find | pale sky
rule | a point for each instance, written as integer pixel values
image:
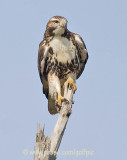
(99, 116)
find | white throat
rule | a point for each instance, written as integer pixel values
(59, 31)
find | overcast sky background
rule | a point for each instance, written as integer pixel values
(99, 118)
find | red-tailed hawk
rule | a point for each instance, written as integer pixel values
(62, 57)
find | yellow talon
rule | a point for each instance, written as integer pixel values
(71, 81)
(60, 99)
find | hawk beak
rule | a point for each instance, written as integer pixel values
(63, 23)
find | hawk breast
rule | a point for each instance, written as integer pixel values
(63, 49)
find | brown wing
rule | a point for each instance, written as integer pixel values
(42, 53)
(82, 53)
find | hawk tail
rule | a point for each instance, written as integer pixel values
(51, 106)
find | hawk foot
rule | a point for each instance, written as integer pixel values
(71, 82)
(58, 107)
(60, 99)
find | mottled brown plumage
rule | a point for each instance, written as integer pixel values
(62, 55)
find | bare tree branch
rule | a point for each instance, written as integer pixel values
(46, 147)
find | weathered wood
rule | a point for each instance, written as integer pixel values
(47, 147)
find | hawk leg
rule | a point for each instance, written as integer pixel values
(71, 81)
(60, 99)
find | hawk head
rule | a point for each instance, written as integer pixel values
(57, 25)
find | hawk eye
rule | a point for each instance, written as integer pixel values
(56, 21)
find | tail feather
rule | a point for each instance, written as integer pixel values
(51, 106)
